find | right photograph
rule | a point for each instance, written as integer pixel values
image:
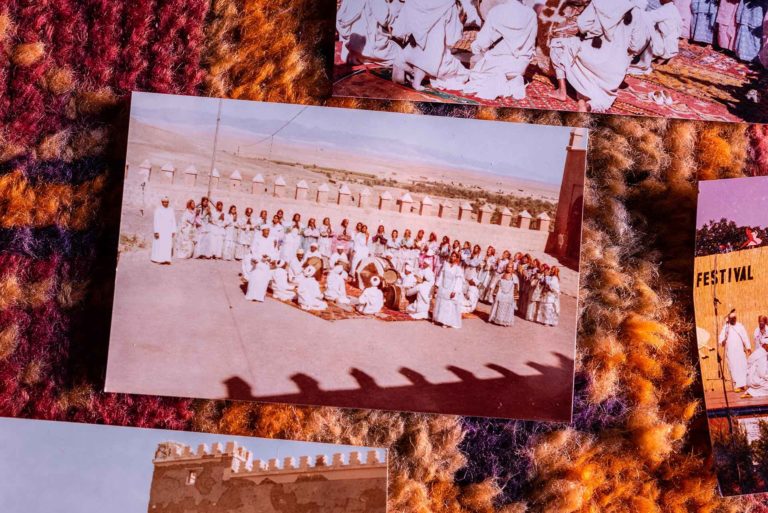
(730, 282)
(688, 59)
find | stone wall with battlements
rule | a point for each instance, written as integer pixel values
(146, 183)
(228, 478)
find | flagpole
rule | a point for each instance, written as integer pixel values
(215, 144)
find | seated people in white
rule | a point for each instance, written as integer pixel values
(164, 229)
(336, 285)
(258, 279)
(733, 337)
(471, 297)
(281, 289)
(363, 27)
(595, 63)
(371, 301)
(419, 309)
(505, 46)
(428, 30)
(408, 279)
(757, 373)
(310, 297)
(296, 266)
(449, 299)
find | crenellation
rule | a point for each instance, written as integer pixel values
(304, 462)
(272, 464)
(354, 458)
(289, 463)
(338, 460)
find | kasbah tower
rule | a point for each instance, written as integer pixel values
(228, 480)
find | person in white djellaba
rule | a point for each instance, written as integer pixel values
(408, 279)
(281, 289)
(262, 244)
(310, 297)
(428, 30)
(296, 266)
(595, 63)
(336, 286)
(371, 301)
(505, 46)
(757, 372)
(164, 229)
(471, 297)
(734, 338)
(419, 309)
(450, 297)
(363, 27)
(258, 279)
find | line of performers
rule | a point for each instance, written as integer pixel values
(286, 256)
(592, 49)
(747, 364)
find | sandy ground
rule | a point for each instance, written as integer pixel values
(186, 330)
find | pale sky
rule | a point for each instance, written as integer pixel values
(741, 200)
(61, 467)
(534, 152)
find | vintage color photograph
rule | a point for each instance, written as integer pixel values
(129, 470)
(730, 280)
(326, 256)
(688, 59)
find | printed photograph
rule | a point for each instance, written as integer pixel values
(94, 468)
(688, 59)
(325, 256)
(730, 280)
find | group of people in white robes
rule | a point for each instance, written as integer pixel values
(747, 359)
(593, 53)
(440, 278)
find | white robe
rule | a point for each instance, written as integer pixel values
(361, 27)
(408, 280)
(757, 373)
(448, 309)
(165, 226)
(664, 26)
(310, 297)
(435, 27)
(336, 288)
(291, 243)
(471, 297)
(258, 280)
(419, 309)
(597, 73)
(736, 343)
(371, 301)
(281, 289)
(506, 43)
(360, 247)
(260, 246)
(295, 269)
(216, 232)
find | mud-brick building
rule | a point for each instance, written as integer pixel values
(228, 479)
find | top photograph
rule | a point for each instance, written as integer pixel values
(687, 59)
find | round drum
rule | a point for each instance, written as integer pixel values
(373, 266)
(317, 263)
(391, 276)
(394, 298)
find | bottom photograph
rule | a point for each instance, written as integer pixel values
(133, 470)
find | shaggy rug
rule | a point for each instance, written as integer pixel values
(638, 441)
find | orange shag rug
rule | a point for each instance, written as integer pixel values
(638, 441)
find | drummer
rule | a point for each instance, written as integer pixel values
(314, 252)
(339, 257)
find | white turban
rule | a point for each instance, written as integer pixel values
(375, 281)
